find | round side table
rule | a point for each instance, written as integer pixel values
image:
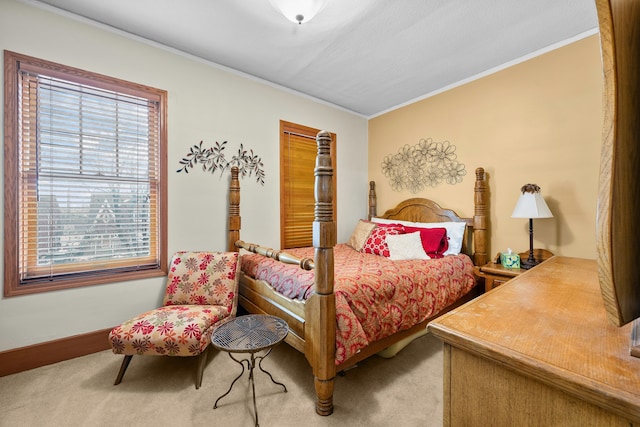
(250, 334)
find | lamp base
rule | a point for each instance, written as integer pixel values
(526, 264)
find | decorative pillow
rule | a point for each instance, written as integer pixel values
(377, 242)
(455, 235)
(455, 231)
(360, 234)
(434, 240)
(406, 246)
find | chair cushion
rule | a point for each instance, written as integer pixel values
(203, 278)
(176, 330)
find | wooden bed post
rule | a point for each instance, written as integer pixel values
(480, 219)
(234, 210)
(373, 200)
(322, 326)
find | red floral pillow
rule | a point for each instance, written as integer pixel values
(377, 242)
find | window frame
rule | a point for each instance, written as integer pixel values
(13, 63)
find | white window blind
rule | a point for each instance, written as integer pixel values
(89, 179)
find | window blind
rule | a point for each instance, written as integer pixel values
(298, 151)
(89, 179)
(298, 163)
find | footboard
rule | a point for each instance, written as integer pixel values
(257, 296)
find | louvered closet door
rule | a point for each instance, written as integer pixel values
(297, 162)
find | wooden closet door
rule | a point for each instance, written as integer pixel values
(298, 150)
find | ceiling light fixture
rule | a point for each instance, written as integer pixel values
(298, 11)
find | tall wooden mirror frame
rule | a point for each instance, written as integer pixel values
(617, 224)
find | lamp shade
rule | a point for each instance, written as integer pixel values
(298, 11)
(531, 204)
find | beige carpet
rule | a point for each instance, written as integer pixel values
(405, 390)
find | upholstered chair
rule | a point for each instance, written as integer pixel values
(201, 293)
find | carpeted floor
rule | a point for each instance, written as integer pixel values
(405, 390)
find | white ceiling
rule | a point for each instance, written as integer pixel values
(366, 56)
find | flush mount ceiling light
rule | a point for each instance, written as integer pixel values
(298, 11)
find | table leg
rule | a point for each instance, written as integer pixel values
(215, 405)
(253, 388)
(270, 376)
(251, 363)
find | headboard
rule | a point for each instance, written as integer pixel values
(424, 210)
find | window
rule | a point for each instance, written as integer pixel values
(298, 151)
(85, 178)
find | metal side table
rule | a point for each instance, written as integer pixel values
(250, 334)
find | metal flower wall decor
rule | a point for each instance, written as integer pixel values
(213, 159)
(425, 164)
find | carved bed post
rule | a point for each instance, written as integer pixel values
(480, 219)
(234, 210)
(323, 310)
(373, 200)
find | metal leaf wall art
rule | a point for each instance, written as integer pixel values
(426, 164)
(213, 159)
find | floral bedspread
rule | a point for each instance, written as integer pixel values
(375, 297)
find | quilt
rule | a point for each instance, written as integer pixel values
(375, 296)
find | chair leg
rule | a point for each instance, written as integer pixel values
(123, 368)
(202, 361)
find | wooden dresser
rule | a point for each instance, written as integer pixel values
(539, 351)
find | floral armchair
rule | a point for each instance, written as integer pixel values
(201, 294)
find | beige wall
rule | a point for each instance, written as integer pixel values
(536, 122)
(206, 103)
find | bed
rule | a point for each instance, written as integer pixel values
(312, 317)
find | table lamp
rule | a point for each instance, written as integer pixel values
(531, 205)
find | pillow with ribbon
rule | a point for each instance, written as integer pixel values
(434, 240)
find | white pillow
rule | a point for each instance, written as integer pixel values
(455, 231)
(406, 246)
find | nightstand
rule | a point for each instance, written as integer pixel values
(494, 274)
